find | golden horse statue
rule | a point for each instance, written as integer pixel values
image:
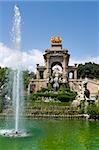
(56, 40)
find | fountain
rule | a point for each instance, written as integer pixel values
(17, 90)
(55, 79)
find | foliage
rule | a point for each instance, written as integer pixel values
(3, 86)
(32, 75)
(3, 76)
(1, 104)
(63, 97)
(90, 70)
(26, 78)
(64, 88)
(63, 94)
(50, 103)
(6, 74)
(49, 88)
(82, 107)
(50, 108)
(44, 90)
(93, 109)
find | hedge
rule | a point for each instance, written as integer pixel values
(93, 109)
(63, 97)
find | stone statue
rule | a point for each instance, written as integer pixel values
(87, 94)
(56, 82)
(86, 91)
(55, 79)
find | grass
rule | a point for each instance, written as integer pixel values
(50, 103)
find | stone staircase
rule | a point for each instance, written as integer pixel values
(44, 110)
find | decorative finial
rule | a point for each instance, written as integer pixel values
(56, 40)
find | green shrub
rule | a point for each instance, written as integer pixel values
(63, 97)
(44, 90)
(1, 104)
(93, 109)
(41, 104)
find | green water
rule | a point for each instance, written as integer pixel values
(54, 135)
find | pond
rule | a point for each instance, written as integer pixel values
(54, 135)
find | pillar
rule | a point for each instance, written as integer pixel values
(37, 74)
(65, 69)
(75, 74)
(47, 74)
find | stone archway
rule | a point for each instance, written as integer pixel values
(59, 56)
(71, 74)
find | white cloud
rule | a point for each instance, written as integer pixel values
(29, 59)
(10, 57)
(87, 59)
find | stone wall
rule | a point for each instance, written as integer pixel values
(93, 86)
(40, 83)
(77, 85)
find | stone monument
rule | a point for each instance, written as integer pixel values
(56, 55)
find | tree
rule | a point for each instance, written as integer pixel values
(27, 76)
(90, 70)
(3, 75)
(3, 85)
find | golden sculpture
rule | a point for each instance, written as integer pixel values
(56, 39)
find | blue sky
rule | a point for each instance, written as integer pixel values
(77, 22)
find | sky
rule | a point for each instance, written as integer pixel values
(77, 22)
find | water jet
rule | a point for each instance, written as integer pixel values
(17, 90)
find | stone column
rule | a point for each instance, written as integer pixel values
(47, 76)
(75, 74)
(65, 69)
(37, 74)
(64, 64)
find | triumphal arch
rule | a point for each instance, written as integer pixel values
(55, 57)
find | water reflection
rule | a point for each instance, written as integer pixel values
(55, 135)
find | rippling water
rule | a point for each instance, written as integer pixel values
(54, 135)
